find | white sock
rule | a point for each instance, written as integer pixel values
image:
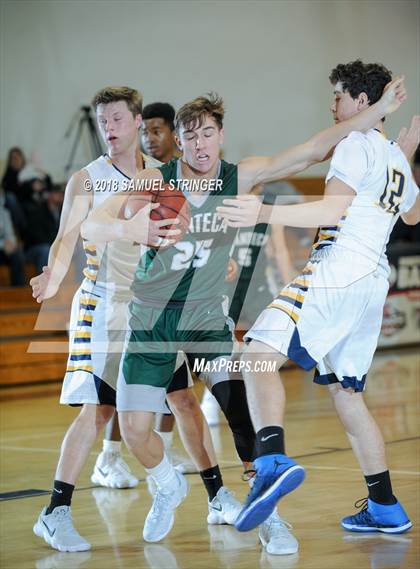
(167, 439)
(164, 474)
(111, 446)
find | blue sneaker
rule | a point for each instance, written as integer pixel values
(277, 475)
(386, 518)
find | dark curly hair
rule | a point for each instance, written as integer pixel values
(357, 77)
(163, 111)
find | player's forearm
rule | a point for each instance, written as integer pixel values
(101, 227)
(314, 214)
(59, 259)
(322, 143)
(316, 149)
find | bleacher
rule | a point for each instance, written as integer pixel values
(23, 321)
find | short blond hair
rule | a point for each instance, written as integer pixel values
(132, 97)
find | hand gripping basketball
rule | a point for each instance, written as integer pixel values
(167, 203)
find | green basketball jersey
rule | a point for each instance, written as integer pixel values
(194, 268)
(250, 246)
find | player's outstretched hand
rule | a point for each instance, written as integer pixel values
(142, 229)
(409, 138)
(43, 286)
(242, 211)
(394, 95)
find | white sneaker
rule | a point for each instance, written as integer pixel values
(224, 508)
(112, 471)
(161, 517)
(58, 531)
(275, 536)
(180, 461)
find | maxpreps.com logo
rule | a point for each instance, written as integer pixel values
(393, 321)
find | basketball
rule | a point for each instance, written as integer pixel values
(172, 204)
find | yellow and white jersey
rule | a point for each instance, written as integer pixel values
(380, 175)
(98, 321)
(111, 265)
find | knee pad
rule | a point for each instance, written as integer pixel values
(231, 396)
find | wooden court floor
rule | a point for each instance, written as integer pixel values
(33, 423)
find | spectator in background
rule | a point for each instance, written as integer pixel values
(32, 173)
(19, 171)
(157, 131)
(42, 207)
(15, 163)
(10, 252)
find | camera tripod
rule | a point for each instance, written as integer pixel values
(83, 117)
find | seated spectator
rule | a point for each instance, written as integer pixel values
(42, 210)
(10, 252)
(55, 198)
(15, 163)
(29, 174)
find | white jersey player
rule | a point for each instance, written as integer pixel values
(98, 309)
(329, 317)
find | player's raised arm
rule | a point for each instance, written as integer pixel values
(409, 138)
(256, 170)
(76, 205)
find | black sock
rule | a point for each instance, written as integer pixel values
(61, 495)
(380, 488)
(270, 440)
(212, 478)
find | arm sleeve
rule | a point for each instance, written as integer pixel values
(350, 161)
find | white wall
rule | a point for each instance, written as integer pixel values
(269, 60)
